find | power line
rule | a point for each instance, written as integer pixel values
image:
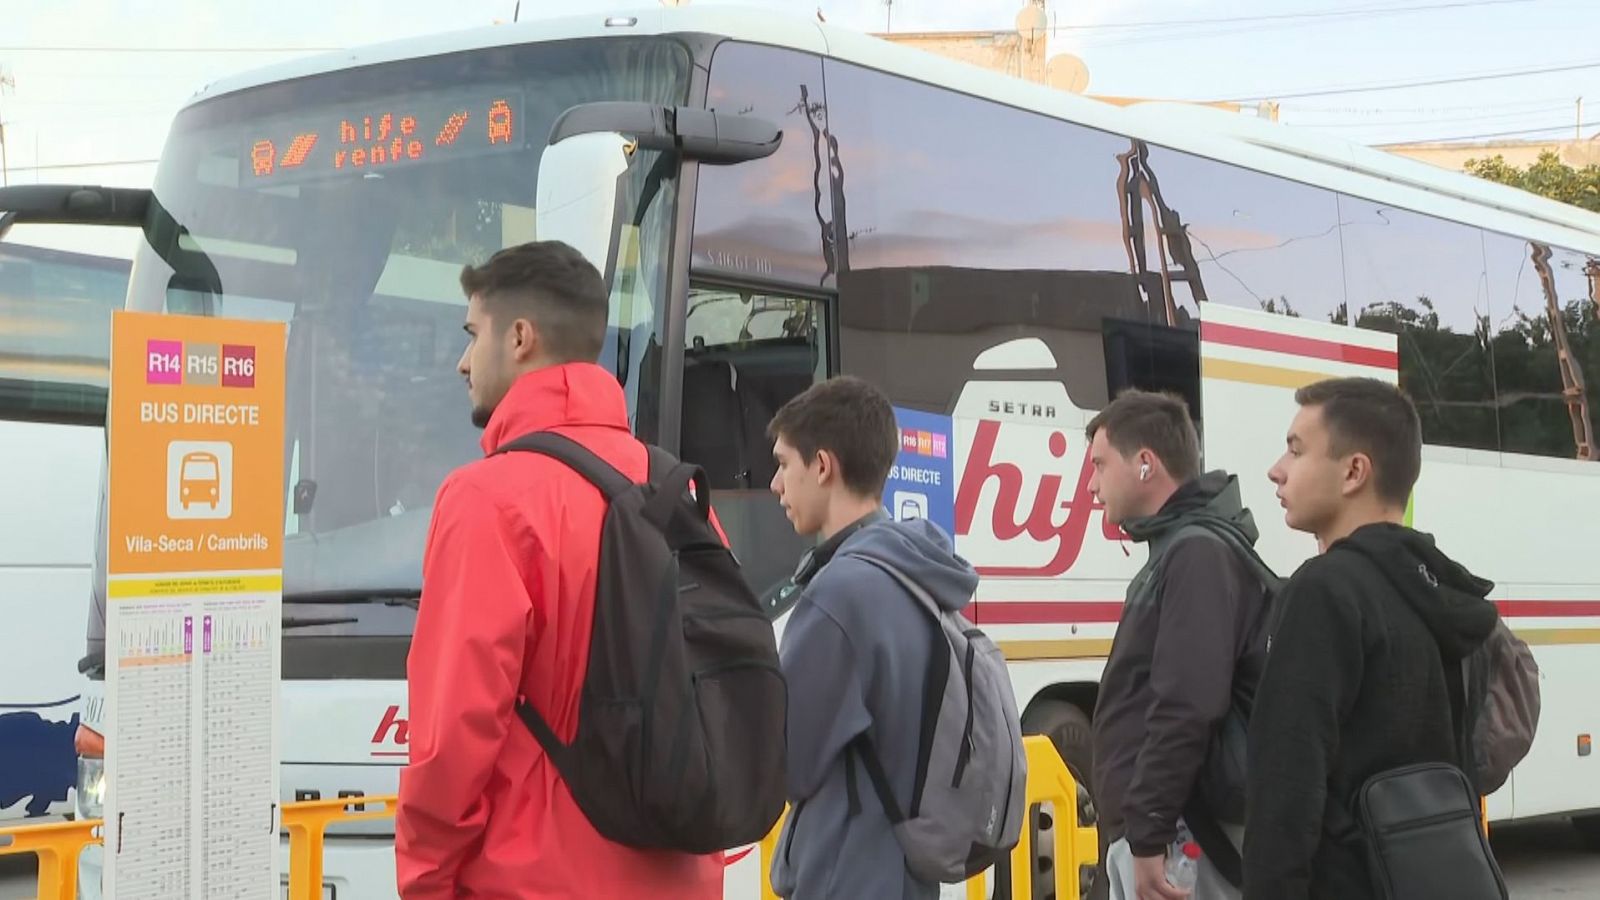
(1459, 79)
(1495, 134)
(1542, 112)
(1364, 12)
(1385, 110)
(1149, 37)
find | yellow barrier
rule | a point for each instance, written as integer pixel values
(1076, 846)
(307, 822)
(1048, 782)
(57, 845)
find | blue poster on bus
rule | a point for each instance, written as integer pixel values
(921, 485)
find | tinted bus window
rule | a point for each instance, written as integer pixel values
(769, 220)
(1543, 306)
(963, 239)
(1423, 279)
(1258, 241)
(55, 332)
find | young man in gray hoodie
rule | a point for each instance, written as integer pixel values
(856, 648)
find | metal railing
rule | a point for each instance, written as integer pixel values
(59, 844)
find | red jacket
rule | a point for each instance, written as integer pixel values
(507, 606)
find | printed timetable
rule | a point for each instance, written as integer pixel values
(237, 645)
(153, 724)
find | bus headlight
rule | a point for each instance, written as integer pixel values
(91, 787)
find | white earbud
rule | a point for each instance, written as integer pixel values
(1144, 472)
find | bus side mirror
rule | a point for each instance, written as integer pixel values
(581, 196)
(703, 135)
(70, 204)
(580, 187)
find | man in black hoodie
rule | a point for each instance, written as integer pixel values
(1192, 624)
(1356, 679)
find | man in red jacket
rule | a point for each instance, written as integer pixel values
(507, 606)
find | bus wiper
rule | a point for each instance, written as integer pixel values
(313, 622)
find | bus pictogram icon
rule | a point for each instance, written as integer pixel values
(199, 480)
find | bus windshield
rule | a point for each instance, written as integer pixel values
(345, 205)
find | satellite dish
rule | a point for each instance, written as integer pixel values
(1032, 22)
(1066, 72)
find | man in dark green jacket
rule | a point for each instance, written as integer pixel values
(1194, 614)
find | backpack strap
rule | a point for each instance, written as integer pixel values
(1269, 579)
(669, 495)
(579, 458)
(1456, 688)
(1203, 824)
(611, 484)
(862, 747)
(920, 594)
(932, 694)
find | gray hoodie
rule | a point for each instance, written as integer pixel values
(855, 654)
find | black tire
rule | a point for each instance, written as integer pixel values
(1067, 726)
(1588, 830)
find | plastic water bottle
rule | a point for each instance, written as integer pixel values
(1183, 867)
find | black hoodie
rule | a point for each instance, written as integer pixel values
(1355, 684)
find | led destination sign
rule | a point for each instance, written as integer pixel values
(380, 136)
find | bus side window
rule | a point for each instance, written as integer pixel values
(746, 355)
(56, 306)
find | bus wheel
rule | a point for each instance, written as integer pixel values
(1068, 728)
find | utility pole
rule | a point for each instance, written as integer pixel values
(1577, 129)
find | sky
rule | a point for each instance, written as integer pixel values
(97, 83)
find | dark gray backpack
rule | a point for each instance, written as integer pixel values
(1500, 681)
(1503, 679)
(966, 806)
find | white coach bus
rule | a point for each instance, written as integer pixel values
(55, 312)
(999, 257)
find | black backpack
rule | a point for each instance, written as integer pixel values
(1219, 789)
(680, 743)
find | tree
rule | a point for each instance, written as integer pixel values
(1549, 177)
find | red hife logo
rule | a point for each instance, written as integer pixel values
(393, 734)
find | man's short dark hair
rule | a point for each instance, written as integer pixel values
(850, 419)
(1160, 421)
(551, 284)
(1365, 415)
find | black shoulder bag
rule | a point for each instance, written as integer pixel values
(1424, 839)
